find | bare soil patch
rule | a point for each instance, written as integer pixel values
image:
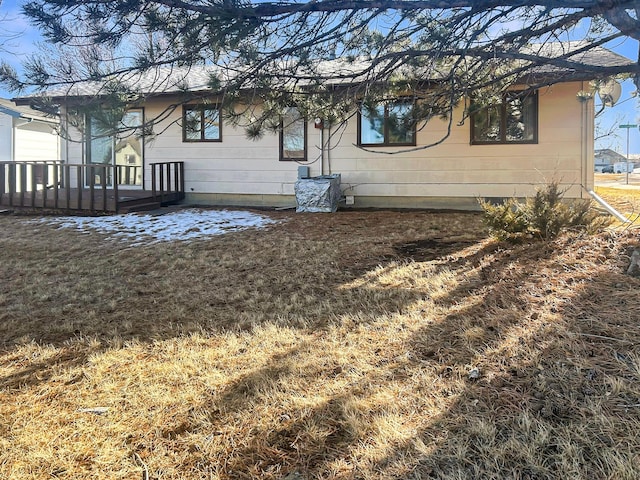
(359, 345)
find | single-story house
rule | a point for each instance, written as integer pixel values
(26, 134)
(507, 150)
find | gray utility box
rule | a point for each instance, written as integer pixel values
(318, 194)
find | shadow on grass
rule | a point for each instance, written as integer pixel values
(549, 401)
(557, 352)
(529, 318)
(40, 371)
(65, 289)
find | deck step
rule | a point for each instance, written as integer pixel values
(141, 207)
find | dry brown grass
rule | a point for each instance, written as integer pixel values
(327, 346)
(625, 200)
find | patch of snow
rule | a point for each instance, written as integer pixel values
(180, 225)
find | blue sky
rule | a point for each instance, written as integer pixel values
(627, 111)
(17, 38)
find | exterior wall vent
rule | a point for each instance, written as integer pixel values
(303, 172)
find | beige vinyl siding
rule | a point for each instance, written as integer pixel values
(236, 165)
(457, 168)
(238, 168)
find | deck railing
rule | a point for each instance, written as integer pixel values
(167, 178)
(88, 187)
(21, 182)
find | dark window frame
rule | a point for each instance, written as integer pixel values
(282, 157)
(201, 108)
(502, 109)
(385, 131)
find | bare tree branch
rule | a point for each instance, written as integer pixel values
(325, 56)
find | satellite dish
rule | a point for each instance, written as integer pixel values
(609, 92)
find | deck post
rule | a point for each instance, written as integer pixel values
(181, 165)
(168, 189)
(63, 180)
(45, 177)
(176, 177)
(79, 182)
(161, 183)
(105, 180)
(92, 188)
(34, 184)
(23, 182)
(67, 185)
(56, 184)
(116, 181)
(2, 180)
(153, 181)
(12, 182)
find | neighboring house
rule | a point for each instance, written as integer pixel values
(26, 134)
(606, 156)
(508, 150)
(609, 161)
(605, 159)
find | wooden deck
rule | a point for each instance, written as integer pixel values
(73, 199)
(61, 187)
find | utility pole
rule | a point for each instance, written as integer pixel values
(628, 127)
